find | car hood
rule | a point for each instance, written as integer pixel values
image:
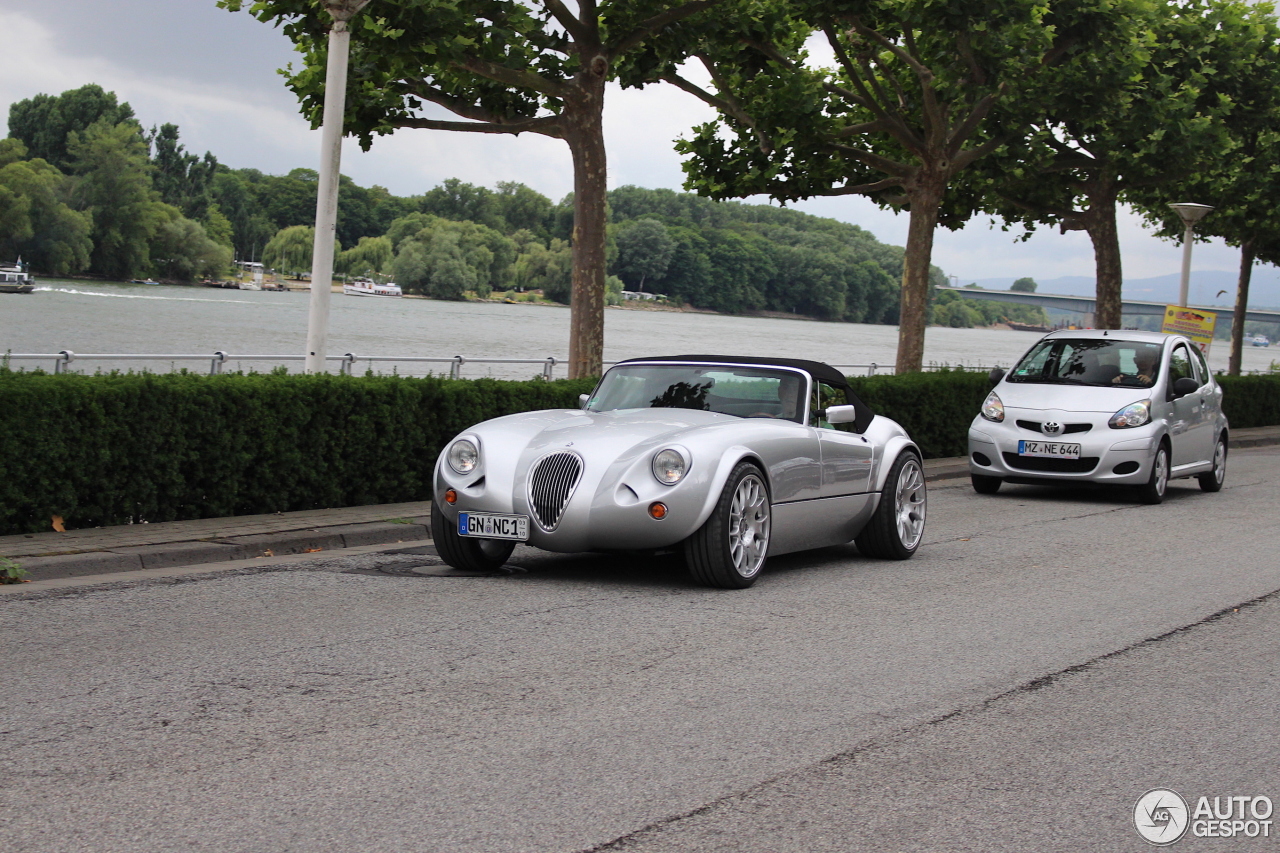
(1069, 398)
(587, 432)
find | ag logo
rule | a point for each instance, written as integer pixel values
(1161, 816)
(1051, 428)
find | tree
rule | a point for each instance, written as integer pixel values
(1165, 114)
(290, 250)
(903, 112)
(45, 122)
(36, 223)
(114, 187)
(180, 248)
(182, 179)
(1024, 285)
(370, 256)
(502, 66)
(644, 250)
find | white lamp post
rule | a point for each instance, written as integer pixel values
(335, 98)
(1190, 214)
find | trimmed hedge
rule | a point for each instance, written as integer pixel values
(120, 448)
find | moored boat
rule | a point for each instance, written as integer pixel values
(14, 279)
(369, 287)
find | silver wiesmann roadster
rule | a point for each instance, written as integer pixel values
(730, 460)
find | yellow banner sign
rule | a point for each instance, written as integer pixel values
(1196, 325)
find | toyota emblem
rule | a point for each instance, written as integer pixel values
(1052, 428)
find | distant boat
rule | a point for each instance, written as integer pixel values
(1027, 327)
(1260, 341)
(14, 279)
(368, 287)
(250, 285)
(143, 281)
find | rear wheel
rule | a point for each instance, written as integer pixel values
(984, 485)
(461, 552)
(895, 530)
(729, 550)
(1211, 481)
(1153, 491)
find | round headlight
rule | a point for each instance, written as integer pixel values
(463, 456)
(1132, 415)
(669, 466)
(993, 408)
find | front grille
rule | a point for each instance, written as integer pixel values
(1036, 426)
(551, 484)
(1057, 466)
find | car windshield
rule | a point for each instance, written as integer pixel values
(747, 392)
(1098, 362)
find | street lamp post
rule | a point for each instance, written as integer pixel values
(1190, 213)
(335, 98)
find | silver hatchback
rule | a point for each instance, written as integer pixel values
(1117, 407)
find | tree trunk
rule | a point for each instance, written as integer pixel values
(584, 131)
(1101, 226)
(926, 198)
(1242, 306)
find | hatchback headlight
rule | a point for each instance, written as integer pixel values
(1132, 415)
(463, 456)
(993, 408)
(669, 466)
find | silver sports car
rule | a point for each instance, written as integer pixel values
(730, 460)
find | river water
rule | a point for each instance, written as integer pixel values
(97, 317)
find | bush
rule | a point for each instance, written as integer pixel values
(1251, 401)
(114, 449)
(934, 408)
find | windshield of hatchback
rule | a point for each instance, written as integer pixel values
(747, 392)
(1101, 363)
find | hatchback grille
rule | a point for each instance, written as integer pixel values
(1067, 429)
(1058, 466)
(551, 484)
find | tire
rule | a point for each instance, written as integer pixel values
(1153, 491)
(897, 527)
(730, 549)
(460, 552)
(984, 485)
(1211, 481)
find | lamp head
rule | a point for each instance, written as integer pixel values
(1190, 212)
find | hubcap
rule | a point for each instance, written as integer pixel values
(1220, 462)
(910, 503)
(1162, 471)
(749, 526)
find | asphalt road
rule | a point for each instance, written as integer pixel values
(1044, 660)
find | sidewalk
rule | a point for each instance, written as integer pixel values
(137, 547)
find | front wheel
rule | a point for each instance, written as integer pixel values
(1153, 491)
(895, 530)
(729, 550)
(1211, 481)
(462, 552)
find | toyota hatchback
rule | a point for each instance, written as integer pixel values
(1102, 406)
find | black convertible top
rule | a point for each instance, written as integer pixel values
(819, 370)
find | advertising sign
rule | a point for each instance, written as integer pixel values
(1196, 325)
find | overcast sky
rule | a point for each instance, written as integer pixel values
(213, 73)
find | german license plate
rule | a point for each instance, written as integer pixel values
(1050, 449)
(492, 525)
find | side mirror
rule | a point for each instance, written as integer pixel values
(840, 414)
(582, 400)
(996, 374)
(1184, 386)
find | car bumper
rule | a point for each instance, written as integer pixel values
(1122, 457)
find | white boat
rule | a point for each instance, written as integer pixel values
(1260, 341)
(250, 285)
(14, 279)
(369, 287)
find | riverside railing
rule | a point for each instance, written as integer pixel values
(346, 363)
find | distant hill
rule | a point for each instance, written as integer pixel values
(1264, 288)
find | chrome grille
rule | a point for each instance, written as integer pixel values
(551, 484)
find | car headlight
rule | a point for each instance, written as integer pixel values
(463, 456)
(993, 408)
(669, 466)
(1132, 415)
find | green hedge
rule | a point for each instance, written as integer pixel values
(114, 449)
(100, 450)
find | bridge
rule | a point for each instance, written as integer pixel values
(1085, 304)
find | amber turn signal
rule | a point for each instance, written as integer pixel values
(658, 509)
(451, 497)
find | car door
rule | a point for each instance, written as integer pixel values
(1187, 425)
(846, 455)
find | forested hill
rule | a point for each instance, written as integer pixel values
(86, 189)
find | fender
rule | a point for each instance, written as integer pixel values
(892, 449)
(728, 461)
